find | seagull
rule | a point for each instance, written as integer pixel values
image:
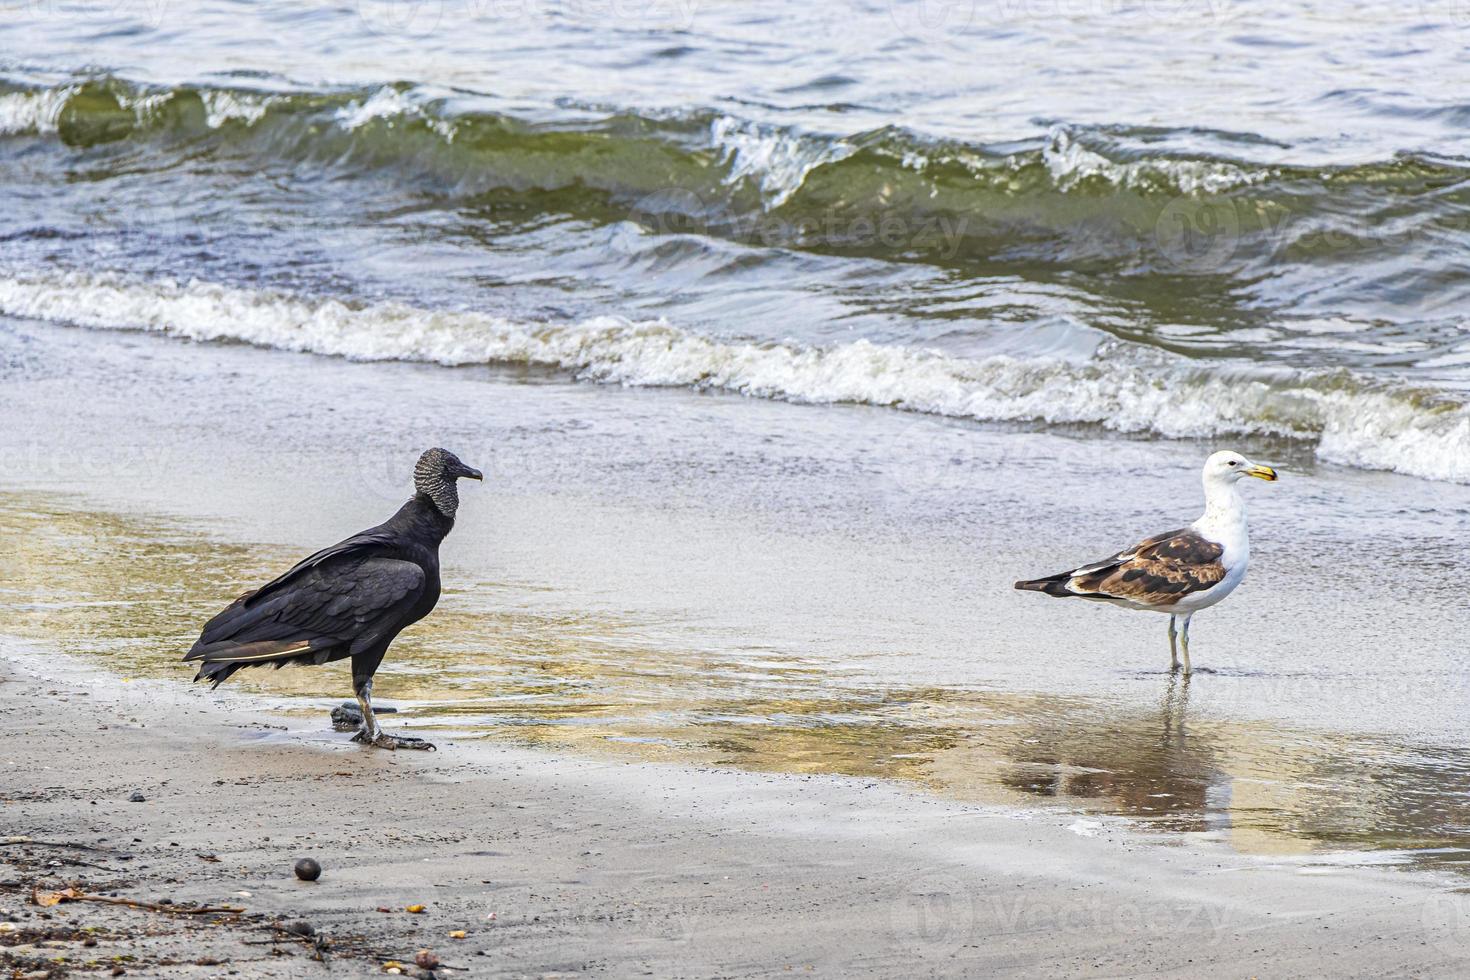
(349, 600)
(1179, 572)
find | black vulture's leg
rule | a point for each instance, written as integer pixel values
(370, 733)
(363, 688)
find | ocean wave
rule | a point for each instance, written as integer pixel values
(1108, 199)
(1352, 420)
(395, 121)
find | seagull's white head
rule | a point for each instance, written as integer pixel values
(1226, 467)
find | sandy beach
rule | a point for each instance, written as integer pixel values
(561, 866)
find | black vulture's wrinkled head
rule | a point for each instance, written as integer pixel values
(435, 477)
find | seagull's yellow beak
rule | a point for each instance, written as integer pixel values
(1262, 473)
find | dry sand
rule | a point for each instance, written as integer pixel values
(557, 866)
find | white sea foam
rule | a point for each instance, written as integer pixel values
(38, 112)
(222, 106)
(391, 103)
(385, 103)
(1069, 163)
(32, 112)
(776, 159)
(1123, 388)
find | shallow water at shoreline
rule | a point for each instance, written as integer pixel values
(126, 592)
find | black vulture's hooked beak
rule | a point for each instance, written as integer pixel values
(469, 473)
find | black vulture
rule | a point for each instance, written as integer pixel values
(349, 600)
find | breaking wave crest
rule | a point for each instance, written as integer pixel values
(1074, 179)
(415, 128)
(1352, 420)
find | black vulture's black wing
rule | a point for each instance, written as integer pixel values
(336, 602)
(362, 544)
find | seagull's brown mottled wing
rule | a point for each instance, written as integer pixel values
(1156, 572)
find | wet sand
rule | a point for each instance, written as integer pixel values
(559, 866)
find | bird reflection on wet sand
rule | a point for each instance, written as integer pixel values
(1144, 765)
(1139, 764)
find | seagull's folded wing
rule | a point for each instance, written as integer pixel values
(1156, 572)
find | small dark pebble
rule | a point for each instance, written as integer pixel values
(301, 928)
(308, 870)
(137, 797)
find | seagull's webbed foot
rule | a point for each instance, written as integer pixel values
(383, 740)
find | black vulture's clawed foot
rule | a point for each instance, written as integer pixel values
(385, 741)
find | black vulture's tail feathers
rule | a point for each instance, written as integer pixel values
(244, 635)
(220, 664)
